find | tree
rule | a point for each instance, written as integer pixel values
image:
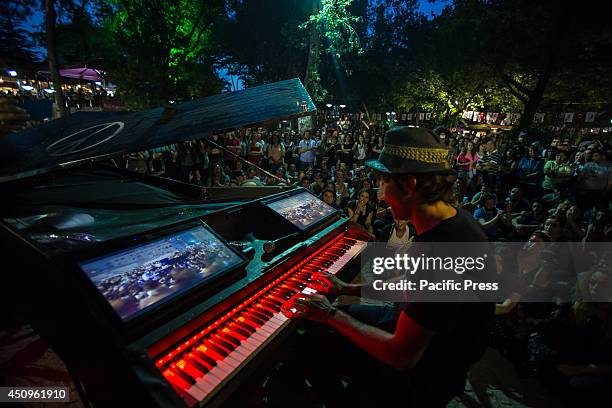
(529, 45)
(81, 36)
(332, 21)
(50, 18)
(260, 40)
(163, 49)
(15, 41)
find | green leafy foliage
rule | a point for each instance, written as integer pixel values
(336, 24)
(162, 49)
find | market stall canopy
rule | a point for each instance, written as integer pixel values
(94, 136)
(84, 73)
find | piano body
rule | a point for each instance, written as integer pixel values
(156, 292)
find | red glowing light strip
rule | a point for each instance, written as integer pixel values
(166, 359)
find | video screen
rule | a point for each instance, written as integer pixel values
(138, 278)
(302, 210)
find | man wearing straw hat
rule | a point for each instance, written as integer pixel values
(432, 345)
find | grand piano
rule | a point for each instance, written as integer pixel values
(156, 292)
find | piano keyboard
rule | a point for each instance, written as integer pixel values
(207, 360)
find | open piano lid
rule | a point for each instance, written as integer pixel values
(94, 136)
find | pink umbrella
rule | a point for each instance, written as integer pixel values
(88, 74)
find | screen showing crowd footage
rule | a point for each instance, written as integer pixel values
(138, 278)
(302, 210)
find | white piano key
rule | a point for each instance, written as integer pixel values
(196, 392)
(228, 365)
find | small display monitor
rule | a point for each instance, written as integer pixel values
(146, 275)
(303, 210)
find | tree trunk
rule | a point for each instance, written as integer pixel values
(535, 97)
(52, 56)
(313, 51)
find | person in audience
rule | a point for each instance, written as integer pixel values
(518, 204)
(595, 179)
(306, 148)
(329, 197)
(275, 153)
(361, 211)
(531, 220)
(490, 217)
(556, 172)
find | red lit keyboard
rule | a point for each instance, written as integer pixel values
(202, 364)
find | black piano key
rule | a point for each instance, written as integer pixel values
(265, 308)
(284, 291)
(197, 364)
(239, 330)
(255, 319)
(219, 350)
(225, 341)
(281, 297)
(270, 305)
(265, 313)
(227, 335)
(209, 355)
(261, 313)
(245, 326)
(236, 331)
(183, 374)
(206, 358)
(271, 299)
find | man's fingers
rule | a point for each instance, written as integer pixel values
(316, 297)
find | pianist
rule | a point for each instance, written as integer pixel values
(426, 349)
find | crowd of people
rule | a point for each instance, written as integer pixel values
(519, 189)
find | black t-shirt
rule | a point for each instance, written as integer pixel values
(461, 330)
(518, 206)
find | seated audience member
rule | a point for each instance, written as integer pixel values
(555, 230)
(329, 197)
(600, 227)
(572, 349)
(361, 211)
(318, 185)
(305, 182)
(595, 180)
(398, 235)
(531, 220)
(477, 199)
(238, 178)
(557, 173)
(529, 169)
(342, 189)
(518, 203)
(218, 177)
(574, 225)
(489, 216)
